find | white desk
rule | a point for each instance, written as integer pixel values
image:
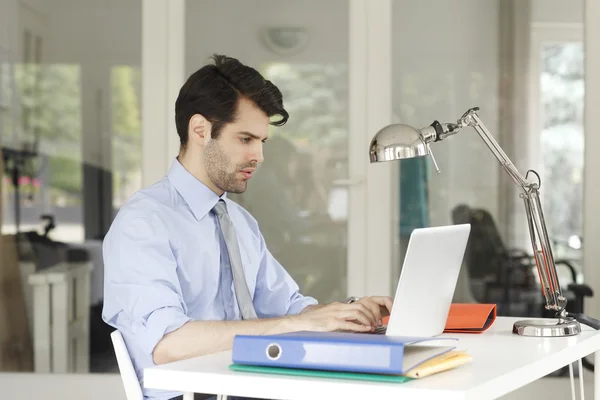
(502, 363)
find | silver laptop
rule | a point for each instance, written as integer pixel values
(427, 281)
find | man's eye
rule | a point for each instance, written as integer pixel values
(245, 140)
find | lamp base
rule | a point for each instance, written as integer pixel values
(547, 327)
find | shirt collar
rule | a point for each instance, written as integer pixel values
(199, 197)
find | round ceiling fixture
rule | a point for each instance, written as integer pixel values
(285, 40)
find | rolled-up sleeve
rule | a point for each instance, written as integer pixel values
(142, 294)
(277, 294)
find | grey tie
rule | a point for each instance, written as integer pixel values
(242, 293)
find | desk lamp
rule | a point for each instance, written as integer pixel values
(398, 141)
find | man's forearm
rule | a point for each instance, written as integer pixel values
(311, 307)
(197, 338)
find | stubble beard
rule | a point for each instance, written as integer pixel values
(217, 167)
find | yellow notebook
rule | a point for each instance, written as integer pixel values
(443, 362)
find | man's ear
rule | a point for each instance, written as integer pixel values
(199, 129)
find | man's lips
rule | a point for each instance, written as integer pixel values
(247, 173)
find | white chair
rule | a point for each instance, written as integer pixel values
(133, 391)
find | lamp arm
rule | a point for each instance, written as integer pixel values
(542, 250)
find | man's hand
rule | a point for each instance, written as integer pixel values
(380, 306)
(335, 317)
(361, 316)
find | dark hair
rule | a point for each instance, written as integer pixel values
(214, 91)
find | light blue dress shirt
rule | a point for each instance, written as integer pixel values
(165, 263)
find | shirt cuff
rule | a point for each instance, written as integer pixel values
(300, 304)
(158, 324)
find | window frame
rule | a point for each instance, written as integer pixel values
(542, 33)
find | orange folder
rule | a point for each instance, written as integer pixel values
(467, 318)
(470, 318)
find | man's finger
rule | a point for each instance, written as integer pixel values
(368, 312)
(354, 314)
(351, 326)
(373, 307)
(384, 301)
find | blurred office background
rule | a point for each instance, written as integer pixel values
(86, 118)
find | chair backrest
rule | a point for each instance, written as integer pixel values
(486, 251)
(461, 214)
(133, 391)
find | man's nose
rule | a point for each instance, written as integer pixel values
(258, 153)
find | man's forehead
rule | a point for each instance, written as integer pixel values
(250, 120)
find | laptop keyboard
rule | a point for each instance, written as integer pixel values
(380, 330)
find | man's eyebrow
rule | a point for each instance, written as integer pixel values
(252, 135)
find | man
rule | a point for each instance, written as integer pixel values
(186, 268)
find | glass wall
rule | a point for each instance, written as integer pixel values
(70, 130)
(529, 89)
(295, 196)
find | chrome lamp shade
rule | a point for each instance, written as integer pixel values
(396, 142)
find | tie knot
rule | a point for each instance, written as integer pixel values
(220, 208)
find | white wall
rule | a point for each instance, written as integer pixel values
(87, 31)
(41, 7)
(570, 11)
(4, 24)
(9, 27)
(232, 27)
